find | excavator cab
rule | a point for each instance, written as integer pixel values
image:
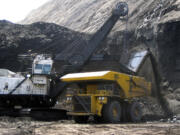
(42, 64)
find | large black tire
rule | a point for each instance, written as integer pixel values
(134, 112)
(112, 112)
(81, 119)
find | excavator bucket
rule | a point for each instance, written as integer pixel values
(136, 60)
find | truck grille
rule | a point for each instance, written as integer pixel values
(82, 104)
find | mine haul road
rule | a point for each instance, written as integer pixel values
(26, 126)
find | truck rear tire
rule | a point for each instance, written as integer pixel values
(112, 112)
(81, 119)
(135, 112)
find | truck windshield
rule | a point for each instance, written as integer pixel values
(104, 86)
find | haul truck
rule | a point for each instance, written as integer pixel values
(106, 95)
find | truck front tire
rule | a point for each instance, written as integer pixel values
(112, 112)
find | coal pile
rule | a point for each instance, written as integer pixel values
(35, 38)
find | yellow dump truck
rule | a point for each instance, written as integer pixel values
(106, 95)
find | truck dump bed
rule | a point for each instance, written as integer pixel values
(132, 86)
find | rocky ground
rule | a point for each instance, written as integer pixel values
(26, 126)
(69, 13)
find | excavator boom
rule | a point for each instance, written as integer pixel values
(80, 51)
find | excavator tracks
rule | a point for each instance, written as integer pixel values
(36, 114)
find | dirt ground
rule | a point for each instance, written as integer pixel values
(26, 126)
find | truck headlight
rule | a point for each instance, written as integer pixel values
(101, 98)
(69, 98)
